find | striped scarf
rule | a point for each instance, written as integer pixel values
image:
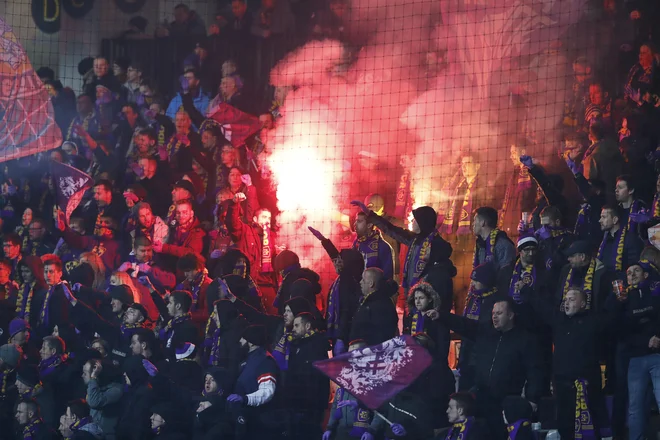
(474, 299)
(584, 425)
(489, 248)
(620, 240)
(282, 351)
(587, 284)
(30, 430)
(515, 428)
(525, 274)
(24, 300)
(460, 430)
(332, 314)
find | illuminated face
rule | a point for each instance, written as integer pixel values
(477, 225)
(582, 73)
(266, 120)
(645, 56)
(171, 307)
(422, 302)
(132, 316)
(87, 372)
(102, 197)
(52, 274)
(596, 94)
(454, 414)
(607, 220)
(208, 140)
(105, 227)
(210, 385)
(622, 192)
(288, 317)
(116, 305)
(184, 214)
(49, 88)
(469, 168)
(70, 149)
(114, 280)
(146, 218)
(299, 328)
(100, 348)
(528, 254)
(11, 250)
(574, 302)
(26, 274)
(148, 167)
(101, 67)
(136, 347)
(234, 178)
(362, 228)
(228, 86)
(23, 416)
(515, 154)
(182, 122)
(263, 219)
(190, 275)
(144, 254)
(238, 9)
(502, 316)
(635, 275)
(46, 351)
(228, 156)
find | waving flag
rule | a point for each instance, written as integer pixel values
(376, 374)
(236, 125)
(27, 125)
(70, 185)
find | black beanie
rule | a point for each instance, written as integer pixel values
(121, 293)
(28, 374)
(255, 334)
(298, 305)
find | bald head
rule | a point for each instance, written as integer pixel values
(371, 278)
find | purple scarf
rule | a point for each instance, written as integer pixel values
(616, 259)
(489, 248)
(166, 332)
(582, 222)
(460, 430)
(368, 247)
(43, 314)
(528, 277)
(195, 287)
(128, 330)
(361, 416)
(281, 352)
(31, 430)
(655, 206)
(49, 365)
(636, 206)
(332, 315)
(417, 323)
(460, 214)
(513, 429)
(213, 343)
(584, 425)
(474, 299)
(418, 256)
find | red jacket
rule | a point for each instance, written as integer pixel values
(191, 241)
(248, 238)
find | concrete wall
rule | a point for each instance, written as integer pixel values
(78, 39)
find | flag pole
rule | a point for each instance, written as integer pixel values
(383, 417)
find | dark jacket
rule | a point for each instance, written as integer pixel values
(506, 361)
(285, 292)
(375, 319)
(642, 319)
(306, 388)
(133, 423)
(107, 248)
(600, 290)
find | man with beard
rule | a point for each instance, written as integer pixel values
(185, 236)
(196, 282)
(256, 384)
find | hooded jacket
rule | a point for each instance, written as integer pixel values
(133, 423)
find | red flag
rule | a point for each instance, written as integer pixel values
(70, 185)
(27, 124)
(374, 375)
(236, 125)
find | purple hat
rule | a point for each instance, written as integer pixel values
(18, 325)
(186, 350)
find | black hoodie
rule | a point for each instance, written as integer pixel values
(134, 421)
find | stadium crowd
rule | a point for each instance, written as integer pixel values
(165, 307)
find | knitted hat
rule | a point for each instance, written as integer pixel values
(28, 374)
(185, 351)
(18, 325)
(485, 274)
(303, 288)
(121, 293)
(286, 259)
(222, 377)
(299, 304)
(10, 355)
(426, 218)
(646, 266)
(526, 241)
(255, 334)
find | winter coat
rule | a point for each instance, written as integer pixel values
(375, 319)
(642, 319)
(604, 163)
(305, 388)
(104, 403)
(107, 248)
(180, 244)
(505, 361)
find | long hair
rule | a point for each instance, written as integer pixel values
(94, 260)
(127, 280)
